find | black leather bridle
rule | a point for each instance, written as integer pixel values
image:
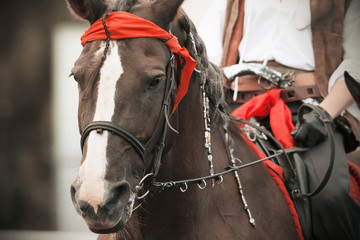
(141, 148)
(114, 128)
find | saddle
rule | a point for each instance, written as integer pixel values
(293, 170)
(293, 176)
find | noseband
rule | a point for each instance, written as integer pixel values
(99, 126)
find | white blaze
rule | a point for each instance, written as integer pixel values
(92, 171)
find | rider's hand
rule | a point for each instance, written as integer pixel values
(311, 130)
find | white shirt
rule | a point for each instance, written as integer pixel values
(282, 33)
(280, 30)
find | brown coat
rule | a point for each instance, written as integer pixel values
(327, 28)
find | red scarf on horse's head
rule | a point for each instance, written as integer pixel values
(122, 25)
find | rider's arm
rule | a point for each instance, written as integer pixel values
(337, 100)
(339, 97)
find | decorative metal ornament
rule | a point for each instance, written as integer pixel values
(207, 124)
(237, 177)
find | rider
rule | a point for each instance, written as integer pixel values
(303, 37)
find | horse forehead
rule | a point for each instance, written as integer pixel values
(138, 58)
(132, 49)
(143, 54)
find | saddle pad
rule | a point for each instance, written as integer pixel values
(354, 171)
(281, 124)
(276, 172)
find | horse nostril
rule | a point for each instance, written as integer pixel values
(119, 194)
(85, 207)
(81, 206)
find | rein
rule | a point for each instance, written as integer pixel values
(296, 193)
(157, 187)
(331, 136)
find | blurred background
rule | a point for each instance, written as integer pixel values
(39, 139)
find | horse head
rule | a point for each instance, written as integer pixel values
(125, 90)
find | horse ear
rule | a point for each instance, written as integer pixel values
(166, 10)
(89, 10)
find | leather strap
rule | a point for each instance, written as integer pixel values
(300, 93)
(330, 132)
(304, 86)
(288, 95)
(109, 126)
(251, 82)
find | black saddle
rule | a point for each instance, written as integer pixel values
(294, 170)
(296, 179)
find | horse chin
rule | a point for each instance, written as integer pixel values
(114, 229)
(101, 228)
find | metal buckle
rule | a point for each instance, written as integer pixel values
(140, 186)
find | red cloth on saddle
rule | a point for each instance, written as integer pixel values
(122, 25)
(270, 104)
(354, 171)
(276, 172)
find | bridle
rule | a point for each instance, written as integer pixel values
(141, 148)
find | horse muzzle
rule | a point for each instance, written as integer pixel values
(109, 214)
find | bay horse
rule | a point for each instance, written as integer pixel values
(134, 127)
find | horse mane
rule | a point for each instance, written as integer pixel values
(204, 69)
(124, 5)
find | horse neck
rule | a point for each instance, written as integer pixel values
(196, 213)
(189, 143)
(188, 150)
(174, 211)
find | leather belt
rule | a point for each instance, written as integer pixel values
(301, 86)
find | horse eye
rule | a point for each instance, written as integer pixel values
(154, 82)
